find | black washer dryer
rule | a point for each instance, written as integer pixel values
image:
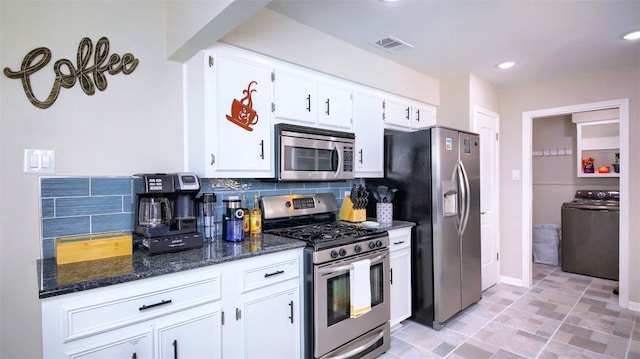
(590, 234)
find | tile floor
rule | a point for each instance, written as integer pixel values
(563, 315)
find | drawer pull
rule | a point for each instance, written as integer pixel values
(396, 243)
(145, 307)
(274, 273)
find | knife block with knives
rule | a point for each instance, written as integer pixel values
(354, 205)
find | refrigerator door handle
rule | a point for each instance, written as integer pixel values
(461, 196)
(466, 199)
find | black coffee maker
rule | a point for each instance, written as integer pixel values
(166, 211)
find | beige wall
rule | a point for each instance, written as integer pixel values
(555, 179)
(458, 97)
(605, 85)
(135, 125)
(454, 102)
(272, 34)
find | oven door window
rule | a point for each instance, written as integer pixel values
(339, 298)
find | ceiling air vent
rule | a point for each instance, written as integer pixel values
(391, 44)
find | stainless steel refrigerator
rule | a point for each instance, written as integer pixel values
(437, 173)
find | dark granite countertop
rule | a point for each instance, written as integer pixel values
(396, 224)
(74, 277)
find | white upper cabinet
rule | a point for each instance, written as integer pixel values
(308, 98)
(335, 106)
(234, 97)
(368, 126)
(407, 115)
(423, 116)
(228, 123)
(295, 96)
(600, 141)
(397, 112)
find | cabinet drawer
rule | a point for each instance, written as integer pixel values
(265, 273)
(117, 306)
(132, 346)
(399, 238)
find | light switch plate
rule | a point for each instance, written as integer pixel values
(39, 161)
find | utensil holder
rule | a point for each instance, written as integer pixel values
(384, 212)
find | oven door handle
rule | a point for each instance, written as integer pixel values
(346, 267)
(359, 349)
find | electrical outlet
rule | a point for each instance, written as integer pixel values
(39, 161)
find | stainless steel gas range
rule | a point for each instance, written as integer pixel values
(337, 324)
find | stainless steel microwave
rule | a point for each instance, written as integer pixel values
(313, 154)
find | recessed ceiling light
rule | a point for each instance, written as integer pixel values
(634, 35)
(505, 65)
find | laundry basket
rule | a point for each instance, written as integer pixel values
(546, 243)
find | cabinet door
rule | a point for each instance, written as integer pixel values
(334, 105)
(271, 325)
(397, 113)
(131, 347)
(423, 116)
(294, 96)
(369, 129)
(195, 335)
(243, 115)
(400, 263)
(599, 140)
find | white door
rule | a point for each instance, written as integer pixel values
(486, 124)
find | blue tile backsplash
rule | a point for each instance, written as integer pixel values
(87, 205)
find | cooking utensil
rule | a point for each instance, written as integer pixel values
(376, 196)
(391, 194)
(382, 191)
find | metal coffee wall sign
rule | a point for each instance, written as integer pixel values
(89, 70)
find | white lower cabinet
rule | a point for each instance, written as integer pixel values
(400, 263)
(270, 327)
(249, 308)
(190, 336)
(263, 315)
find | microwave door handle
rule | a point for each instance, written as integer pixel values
(336, 159)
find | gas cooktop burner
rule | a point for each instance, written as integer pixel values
(323, 232)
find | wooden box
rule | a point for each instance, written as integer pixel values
(93, 246)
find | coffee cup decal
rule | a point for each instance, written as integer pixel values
(242, 112)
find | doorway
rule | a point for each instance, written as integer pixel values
(527, 187)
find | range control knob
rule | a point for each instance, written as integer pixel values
(378, 243)
(334, 254)
(357, 248)
(372, 245)
(343, 252)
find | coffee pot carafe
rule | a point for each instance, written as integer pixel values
(154, 211)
